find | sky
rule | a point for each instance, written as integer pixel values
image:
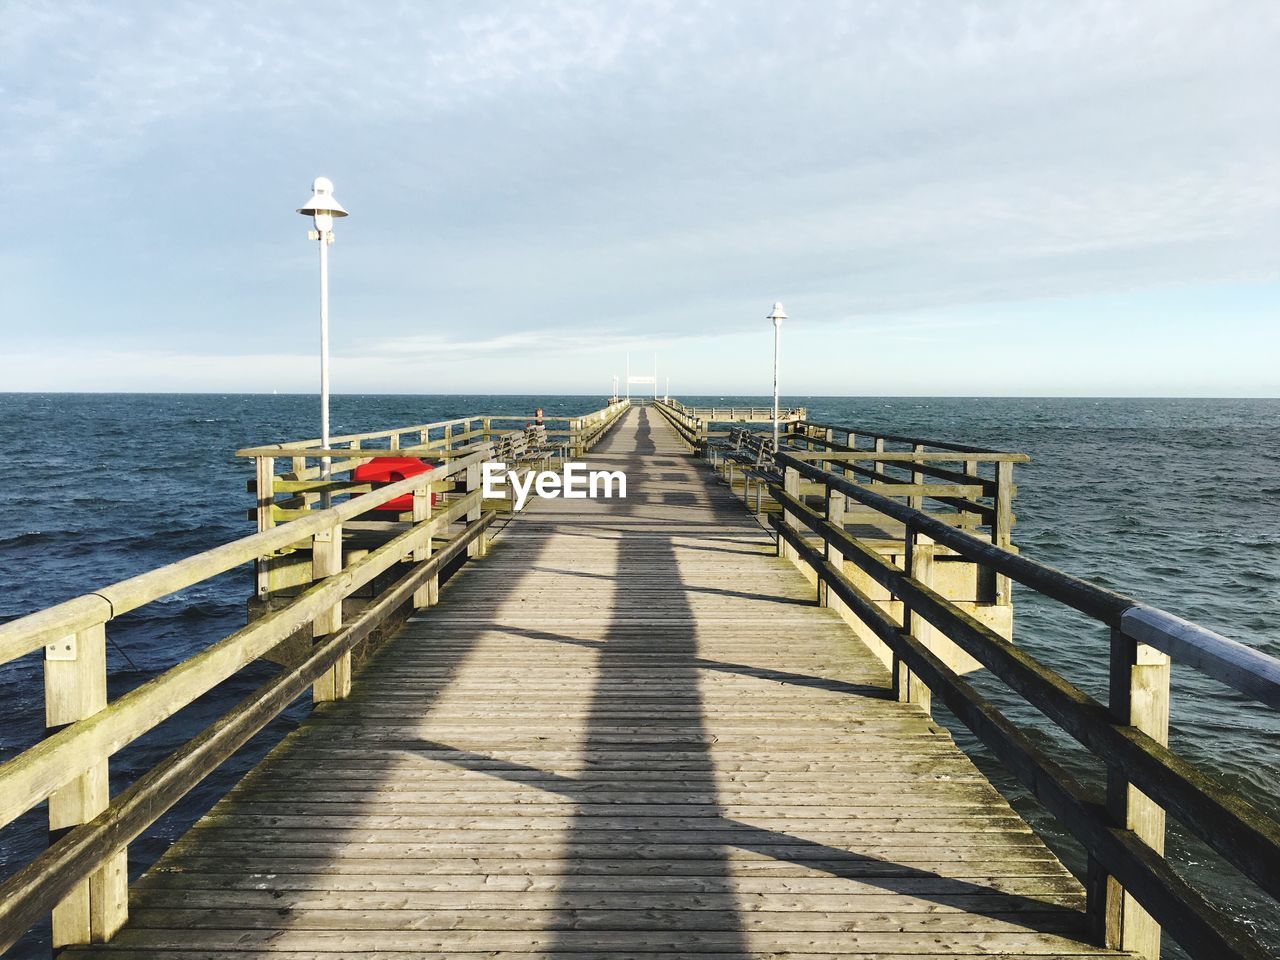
(1022, 198)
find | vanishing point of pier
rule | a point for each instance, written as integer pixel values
(694, 721)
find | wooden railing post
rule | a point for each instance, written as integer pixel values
(479, 546)
(75, 687)
(836, 504)
(264, 476)
(971, 471)
(1139, 697)
(1002, 526)
(916, 501)
(918, 561)
(829, 436)
(790, 485)
(299, 467)
(326, 560)
(429, 592)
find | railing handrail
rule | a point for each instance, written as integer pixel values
(372, 434)
(21, 636)
(1245, 668)
(901, 438)
(35, 889)
(312, 448)
(790, 414)
(31, 776)
(907, 457)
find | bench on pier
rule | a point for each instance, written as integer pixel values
(752, 456)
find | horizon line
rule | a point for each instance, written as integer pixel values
(721, 394)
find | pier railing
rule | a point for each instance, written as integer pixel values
(290, 494)
(881, 532)
(444, 435)
(736, 414)
(81, 880)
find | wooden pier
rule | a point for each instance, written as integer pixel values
(694, 721)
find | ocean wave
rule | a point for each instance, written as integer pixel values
(160, 613)
(27, 538)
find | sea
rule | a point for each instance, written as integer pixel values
(1175, 502)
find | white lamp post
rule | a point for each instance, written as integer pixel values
(323, 208)
(777, 317)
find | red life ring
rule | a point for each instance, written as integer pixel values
(383, 470)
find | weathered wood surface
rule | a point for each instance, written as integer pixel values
(630, 731)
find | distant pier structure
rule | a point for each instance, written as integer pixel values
(694, 721)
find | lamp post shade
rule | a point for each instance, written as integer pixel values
(322, 200)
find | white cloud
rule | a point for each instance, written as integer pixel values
(521, 172)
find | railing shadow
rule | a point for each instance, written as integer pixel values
(839, 862)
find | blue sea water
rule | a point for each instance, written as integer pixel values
(1175, 502)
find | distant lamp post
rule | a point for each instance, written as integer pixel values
(777, 317)
(323, 208)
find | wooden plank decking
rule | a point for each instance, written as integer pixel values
(626, 732)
